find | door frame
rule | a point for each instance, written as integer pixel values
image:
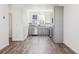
(10, 29)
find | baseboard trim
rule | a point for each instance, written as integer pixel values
(72, 51)
(18, 39)
(2, 50)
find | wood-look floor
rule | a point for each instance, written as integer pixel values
(36, 45)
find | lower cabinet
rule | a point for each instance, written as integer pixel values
(41, 30)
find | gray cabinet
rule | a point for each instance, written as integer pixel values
(42, 30)
(58, 24)
(31, 30)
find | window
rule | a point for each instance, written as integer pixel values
(34, 16)
(42, 18)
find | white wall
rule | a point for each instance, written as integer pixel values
(25, 23)
(17, 19)
(71, 26)
(4, 28)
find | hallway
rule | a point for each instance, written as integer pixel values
(36, 45)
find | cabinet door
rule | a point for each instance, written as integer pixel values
(58, 20)
(40, 31)
(43, 31)
(31, 30)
